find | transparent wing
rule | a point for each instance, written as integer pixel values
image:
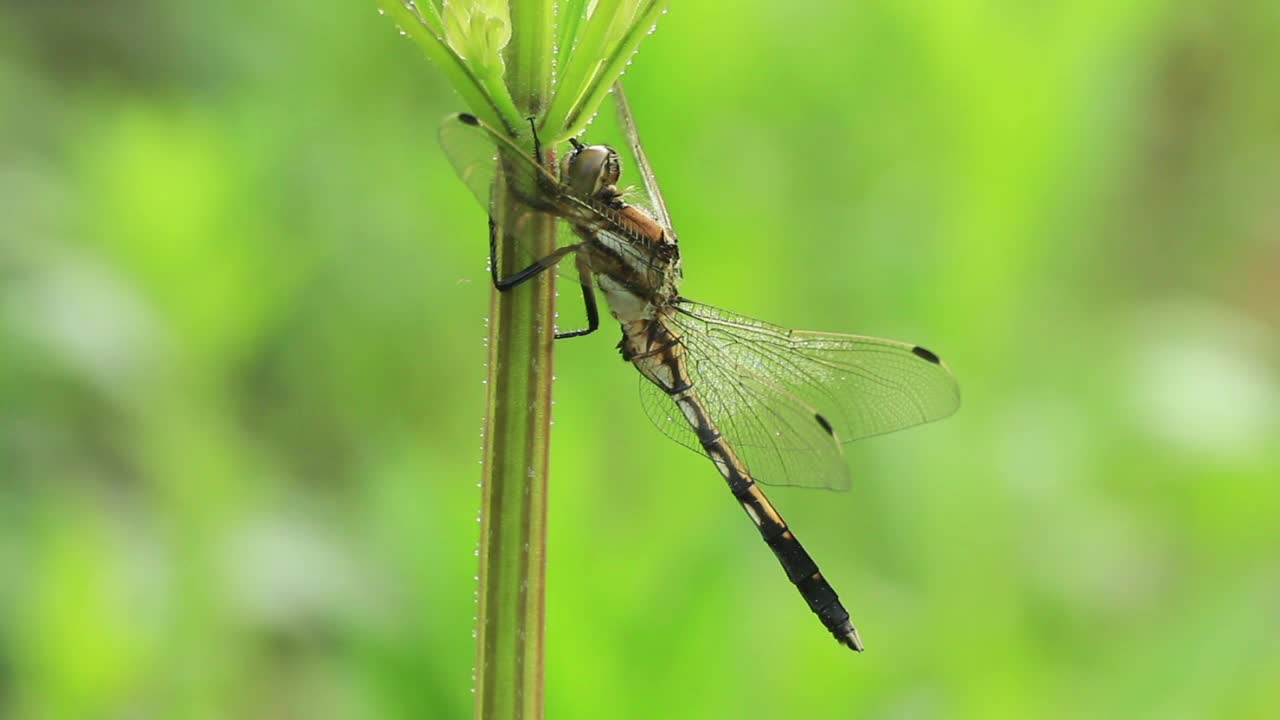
(481, 154)
(787, 400)
(627, 123)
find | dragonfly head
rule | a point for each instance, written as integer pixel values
(588, 170)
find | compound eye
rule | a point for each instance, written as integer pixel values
(590, 169)
(612, 169)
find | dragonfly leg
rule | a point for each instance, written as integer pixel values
(588, 299)
(518, 277)
(537, 144)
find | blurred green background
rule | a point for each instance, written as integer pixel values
(242, 302)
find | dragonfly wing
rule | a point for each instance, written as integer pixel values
(772, 431)
(477, 150)
(481, 155)
(627, 122)
(787, 400)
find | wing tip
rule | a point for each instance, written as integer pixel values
(468, 119)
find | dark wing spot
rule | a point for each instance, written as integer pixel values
(825, 425)
(468, 118)
(926, 354)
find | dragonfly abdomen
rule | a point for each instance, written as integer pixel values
(659, 356)
(796, 562)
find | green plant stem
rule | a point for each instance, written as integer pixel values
(529, 54)
(513, 515)
(506, 93)
(511, 595)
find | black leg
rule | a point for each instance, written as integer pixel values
(589, 300)
(516, 278)
(537, 144)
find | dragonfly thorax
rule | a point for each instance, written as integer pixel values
(590, 170)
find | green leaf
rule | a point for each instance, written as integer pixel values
(483, 90)
(609, 39)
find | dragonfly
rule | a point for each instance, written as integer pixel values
(766, 404)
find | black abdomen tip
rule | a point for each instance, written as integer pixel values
(847, 634)
(926, 354)
(468, 118)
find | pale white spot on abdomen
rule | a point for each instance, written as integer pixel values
(624, 305)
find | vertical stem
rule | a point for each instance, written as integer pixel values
(511, 596)
(513, 514)
(529, 55)
(513, 532)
